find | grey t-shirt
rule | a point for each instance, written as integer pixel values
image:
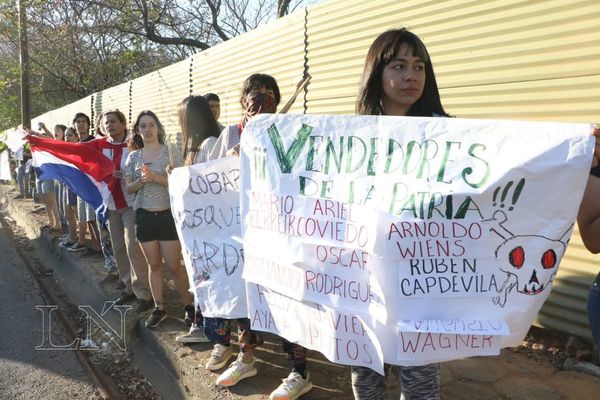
(152, 196)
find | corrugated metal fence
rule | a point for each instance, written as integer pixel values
(510, 59)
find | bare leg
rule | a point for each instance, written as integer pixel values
(46, 200)
(82, 232)
(171, 251)
(94, 235)
(52, 209)
(151, 251)
(70, 214)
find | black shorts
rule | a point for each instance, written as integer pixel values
(154, 225)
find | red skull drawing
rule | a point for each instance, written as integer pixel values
(529, 261)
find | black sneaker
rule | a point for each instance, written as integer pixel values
(124, 298)
(66, 244)
(189, 315)
(76, 247)
(143, 305)
(155, 318)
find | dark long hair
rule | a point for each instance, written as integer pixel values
(197, 123)
(161, 129)
(383, 49)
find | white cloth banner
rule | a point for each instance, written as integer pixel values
(440, 236)
(339, 336)
(5, 166)
(15, 139)
(205, 206)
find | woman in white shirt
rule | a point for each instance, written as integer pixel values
(199, 128)
(200, 132)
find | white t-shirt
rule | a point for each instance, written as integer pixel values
(230, 136)
(205, 149)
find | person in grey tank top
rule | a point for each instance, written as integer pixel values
(145, 174)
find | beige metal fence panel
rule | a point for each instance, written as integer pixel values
(474, 45)
(339, 34)
(116, 97)
(160, 92)
(276, 49)
(569, 99)
(63, 115)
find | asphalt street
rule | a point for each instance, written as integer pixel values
(27, 372)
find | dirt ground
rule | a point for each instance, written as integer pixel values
(547, 365)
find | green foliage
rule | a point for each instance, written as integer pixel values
(77, 47)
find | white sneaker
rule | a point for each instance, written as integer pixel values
(237, 371)
(195, 335)
(219, 357)
(292, 387)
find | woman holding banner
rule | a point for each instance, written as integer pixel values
(199, 127)
(260, 95)
(398, 80)
(154, 225)
(200, 132)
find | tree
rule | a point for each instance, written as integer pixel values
(79, 47)
(192, 25)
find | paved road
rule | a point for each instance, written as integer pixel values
(27, 373)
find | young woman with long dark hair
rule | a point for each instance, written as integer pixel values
(154, 225)
(200, 132)
(398, 80)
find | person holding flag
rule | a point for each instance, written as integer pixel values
(85, 212)
(84, 170)
(121, 217)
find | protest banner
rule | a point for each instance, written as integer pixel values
(441, 235)
(5, 174)
(339, 336)
(15, 139)
(205, 206)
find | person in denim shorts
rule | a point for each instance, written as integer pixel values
(146, 178)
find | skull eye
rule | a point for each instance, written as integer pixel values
(549, 259)
(516, 257)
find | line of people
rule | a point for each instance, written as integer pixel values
(398, 80)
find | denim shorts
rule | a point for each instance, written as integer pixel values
(71, 197)
(593, 311)
(85, 212)
(45, 185)
(154, 225)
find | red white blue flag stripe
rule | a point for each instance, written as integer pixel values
(83, 169)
